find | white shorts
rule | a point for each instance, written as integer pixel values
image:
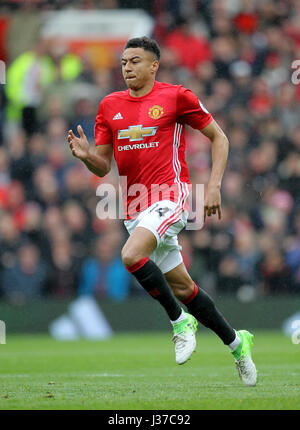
(158, 219)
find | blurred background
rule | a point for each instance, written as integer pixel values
(62, 57)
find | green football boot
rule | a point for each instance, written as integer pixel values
(243, 360)
(184, 338)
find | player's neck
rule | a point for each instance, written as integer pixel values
(147, 88)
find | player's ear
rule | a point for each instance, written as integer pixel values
(155, 66)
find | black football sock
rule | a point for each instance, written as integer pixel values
(153, 281)
(203, 308)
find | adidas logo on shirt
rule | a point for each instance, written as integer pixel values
(118, 116)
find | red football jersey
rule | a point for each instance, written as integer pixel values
(148, 138)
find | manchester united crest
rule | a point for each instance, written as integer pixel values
(156, 112)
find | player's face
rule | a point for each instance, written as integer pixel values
(138, 67)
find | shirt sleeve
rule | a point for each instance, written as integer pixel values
(103, 134)
(191, 111)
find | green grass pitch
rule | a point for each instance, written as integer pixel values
(138, 372)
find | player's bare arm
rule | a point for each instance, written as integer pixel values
(97, 159)
(219, 149)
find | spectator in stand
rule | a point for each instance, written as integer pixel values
(229, 278)
(29, 73)
(65, 267)
(26, 279)
(241, 80)
(85, 112)
(20, 165)
(77, 223)
(292, 258)
(224, 53)
(32, 229)
(5, 177)
(10, 240)
(275, 273)
(286, 107)
(2, 110)
(182, 37)
(77, 185)
(46, 186)
(247, 256)
(104, 274)
(36, 146)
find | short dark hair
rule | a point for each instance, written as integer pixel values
(146, 43)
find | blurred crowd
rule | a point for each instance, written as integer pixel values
(236, 56)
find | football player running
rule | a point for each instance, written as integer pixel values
(144, 129)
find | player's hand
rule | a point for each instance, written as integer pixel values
(212, 202)
(79, 145)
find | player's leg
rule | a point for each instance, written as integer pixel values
(199, 303)
(202, 307)
(135, 257)
(149, 239)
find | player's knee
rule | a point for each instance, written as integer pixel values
(183, 289)
(129, 257)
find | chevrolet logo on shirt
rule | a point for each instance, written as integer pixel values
(136, 132)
